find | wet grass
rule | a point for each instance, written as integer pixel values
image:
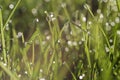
(59, 40)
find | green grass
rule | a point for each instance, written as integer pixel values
(59, 40)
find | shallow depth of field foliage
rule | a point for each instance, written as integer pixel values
(59, 39)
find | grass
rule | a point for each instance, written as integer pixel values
(73, 41)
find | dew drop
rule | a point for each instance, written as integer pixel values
(101, 16)
(66, 49)
(26, 72)
(107, 49)
(41, 78)
(48, 37)
(118, 32)
(41, 70)
(5, 64)
(84, 19)
(81, 76)
(63, 5)
(37, 20)
(80, 42)
(112, 23)
(53, 62)
(69, 43)
(47, 0)
(101, 69)
(11, 6)
(117, 20)
(74, 43)
(108, 28)
(19, 34)
(19, 75)
(98, 11)
(34, 11)
(110, 40)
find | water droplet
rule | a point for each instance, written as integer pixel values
(19, 34)
(63, 5)
(101, 16)
(81, 76)
(10, 21)
(74, 43)
(83, 39)
(80, 42)
(48, 37)
(84, 19)
(69, 43)
(34, 11)
(26, 72)
(41, 70)
(36, 19)
(11, 6)
(98, 11)
(118, 32)
(105, 1)
(112, 23)
(108, 28)
(41, 78)
(117, 20)
(110, 40)
(53, 62)
(59, 41)
(71, 32)
(45, 12)
(47, 0)
(5, 64)
(43, 42)
(66, 49)
(107, 49)
(19, 75)
(89, 22)
(101, 69)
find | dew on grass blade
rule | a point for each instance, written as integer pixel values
(117, 19)
(107, 49)
(5, 64)
(108, 28)
(118, 32)
(83, 39)
(112, 23)
(41, 78)
(84, 19)
(98, 11)
(7, 27)
(80, 42)
(26, 72)
(41, 70)
(66, 49)
(34, 11)
(19, 34)
(101, 16)
(53, 62)
(19, 75)
(50, 16)
(102, 69)
(69, 43)
(1, 58)
(36, 19)
(74, 43)
(63, 5)
(48, 37)
(110, 40)
(11, 6)
(47, 0)
(81, 76)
